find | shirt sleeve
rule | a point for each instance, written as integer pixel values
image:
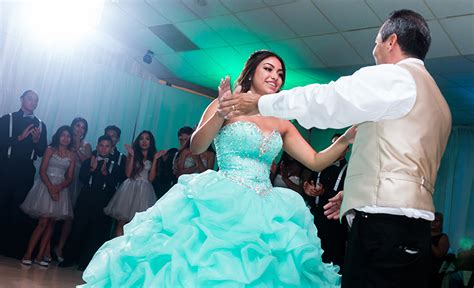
(372, 93)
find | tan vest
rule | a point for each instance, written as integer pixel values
(394, 162)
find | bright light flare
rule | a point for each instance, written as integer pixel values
(64, 20)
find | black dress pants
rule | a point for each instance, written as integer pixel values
(16, 179)
(387, 251)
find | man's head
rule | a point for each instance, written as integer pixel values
(114, 133)
(29, 101)
(404, 34)
(104, 146)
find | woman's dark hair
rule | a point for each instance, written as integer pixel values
(138, 165)
(245, 78)
(185, 130)
(84, 121)
(57, 135)
(413, 33)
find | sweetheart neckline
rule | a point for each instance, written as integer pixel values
(260, 130)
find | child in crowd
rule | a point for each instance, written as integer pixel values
(49, 198)
(116, 156)
(91, 227)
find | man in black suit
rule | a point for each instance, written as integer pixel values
(319, 189)
(22, 140)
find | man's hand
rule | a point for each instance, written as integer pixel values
(350, 134)
(93, 163)
(240, 103)
(332, 209)
(36, 134)
(28, 130)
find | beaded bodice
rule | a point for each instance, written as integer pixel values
(143, 175)
(57, 166)
(245, 154)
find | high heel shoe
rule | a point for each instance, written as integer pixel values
(56, 254)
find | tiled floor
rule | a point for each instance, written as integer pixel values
(14, 274)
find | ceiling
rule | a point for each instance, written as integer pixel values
(319, 40)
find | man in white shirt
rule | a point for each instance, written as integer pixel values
(404, 125)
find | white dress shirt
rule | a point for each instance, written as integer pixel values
(373, 93)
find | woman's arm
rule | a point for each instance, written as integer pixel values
(211, 121)
(87, 153)
(44, 166)
(154, 165)
(130, 161)
(129, 166)
(210, 158)
(70, 172)
(295, 145)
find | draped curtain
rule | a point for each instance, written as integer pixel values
(455, 186)
(103, 86)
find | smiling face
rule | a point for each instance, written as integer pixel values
(268, 76)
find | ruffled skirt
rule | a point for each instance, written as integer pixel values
(209, 231)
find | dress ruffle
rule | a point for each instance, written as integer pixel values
(209, 231)
(134, 195)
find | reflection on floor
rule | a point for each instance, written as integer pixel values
(14, 274)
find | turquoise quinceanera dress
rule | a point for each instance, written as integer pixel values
(229, 228)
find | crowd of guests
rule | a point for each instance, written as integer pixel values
(83, 196)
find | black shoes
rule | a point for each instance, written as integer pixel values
(65, 263)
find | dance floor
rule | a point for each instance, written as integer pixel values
(14, 274)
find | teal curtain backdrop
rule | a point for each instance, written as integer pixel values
(101, 86)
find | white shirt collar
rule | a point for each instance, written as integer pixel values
(412, 60)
